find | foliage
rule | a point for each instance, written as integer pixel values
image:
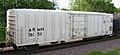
(118, 10)
(2, 30)
(93, 5)
(2, 38)
(35, 4)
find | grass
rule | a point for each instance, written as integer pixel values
(115, 52)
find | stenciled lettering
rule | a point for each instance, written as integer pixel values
(40, 29)
(39, 33)
(30, 34)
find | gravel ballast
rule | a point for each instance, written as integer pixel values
(84, 49)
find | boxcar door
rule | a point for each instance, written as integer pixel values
(107, 25)
(78, 26)
(104, 25)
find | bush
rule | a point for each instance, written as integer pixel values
(2, 29)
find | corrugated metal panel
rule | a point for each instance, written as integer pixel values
(41, 26)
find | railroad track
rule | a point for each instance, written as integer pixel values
(56, 47)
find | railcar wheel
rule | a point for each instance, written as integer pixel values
(14, 46)
(26, 48)
(54, 42)
(62, 42)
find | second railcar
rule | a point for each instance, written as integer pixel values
(116, 24)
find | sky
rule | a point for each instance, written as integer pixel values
(65, 3)
(116, 3)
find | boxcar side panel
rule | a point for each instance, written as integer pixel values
(40, 27)
(21, 28)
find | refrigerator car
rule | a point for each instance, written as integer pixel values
(34, 26)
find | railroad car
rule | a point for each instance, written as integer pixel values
(34, 26)
(116, 24)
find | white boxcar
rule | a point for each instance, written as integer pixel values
(34, 26)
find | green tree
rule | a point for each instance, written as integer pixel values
(93, 5)
(33, 4)
(117, 10)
